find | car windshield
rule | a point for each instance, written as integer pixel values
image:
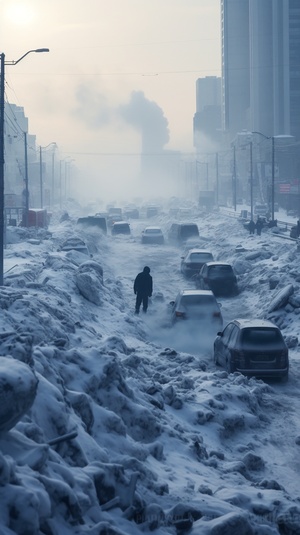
(261, 336)
(190, 230)
(121, 227)
(152, 231)
(200, 257)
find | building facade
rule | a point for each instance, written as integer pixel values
(207, 119)
(260, 66)
(261, 90)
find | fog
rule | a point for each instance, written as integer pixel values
(138, 164)
(148, 118)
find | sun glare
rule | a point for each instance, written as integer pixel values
(20, 13)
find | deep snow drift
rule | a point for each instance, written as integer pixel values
(110, 424)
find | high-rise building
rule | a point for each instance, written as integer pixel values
(260, 66)
(207, 119)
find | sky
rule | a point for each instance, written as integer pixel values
(111, 67)
(155, 436)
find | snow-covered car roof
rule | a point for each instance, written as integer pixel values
(152, 229)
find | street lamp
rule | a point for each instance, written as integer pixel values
(273, 172)
(2, 94)
(234, 178)
(41, 170)
(251, 179)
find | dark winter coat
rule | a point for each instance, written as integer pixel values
(251, 226)
(143, 283)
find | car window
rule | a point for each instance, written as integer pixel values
(261, 336)
(233, 336)
(152, 231)
(200, 257)
(189, 230)
(217, 271)
(203, 271)
(227, 332)
(198, 300)
(121, 227)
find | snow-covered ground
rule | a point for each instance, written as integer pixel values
(154, 437)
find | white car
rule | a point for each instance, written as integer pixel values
(152, 235)
(199, 306)
(74, 244)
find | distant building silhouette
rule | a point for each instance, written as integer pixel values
(207, 119)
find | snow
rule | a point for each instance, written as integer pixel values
(112, 423)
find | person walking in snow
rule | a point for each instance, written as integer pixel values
(259, 226)
(143, 286)
(251, 227)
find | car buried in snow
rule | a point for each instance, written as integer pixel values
(199, 306)
(120, 227)
(74, 243)
(152, 235)
(219, 277)
(252, 347)
(193, 260)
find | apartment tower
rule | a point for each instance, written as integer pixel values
(260, 66)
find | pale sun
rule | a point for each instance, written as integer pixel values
(20, 13)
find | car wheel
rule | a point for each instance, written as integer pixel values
(285, 377)
(229, 366)
(236, 291)
(216, 360)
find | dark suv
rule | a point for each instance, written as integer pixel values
(219, 277)
(253, 347)
(181, 232)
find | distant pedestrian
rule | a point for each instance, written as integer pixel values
(251, 227)
(143, 286)
(259, 226)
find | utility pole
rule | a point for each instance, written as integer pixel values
(60, 183)
(2, 91)
(273, 178)
(52, 181)
(26, 181)
(234, 178)
(2, 97)
(251, 178)
(217, 179)
(41, 179)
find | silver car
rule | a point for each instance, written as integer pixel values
(193, 260)
(198, 306)
(152, 235)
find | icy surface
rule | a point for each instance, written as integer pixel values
(112, 423)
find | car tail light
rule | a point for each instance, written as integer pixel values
(283, 358)
(239, 358)
(179, 314)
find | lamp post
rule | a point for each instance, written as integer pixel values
(273, 172)
(234, 178)
(2, 93)
(251, 179)
(217, 179)
(41, 171)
